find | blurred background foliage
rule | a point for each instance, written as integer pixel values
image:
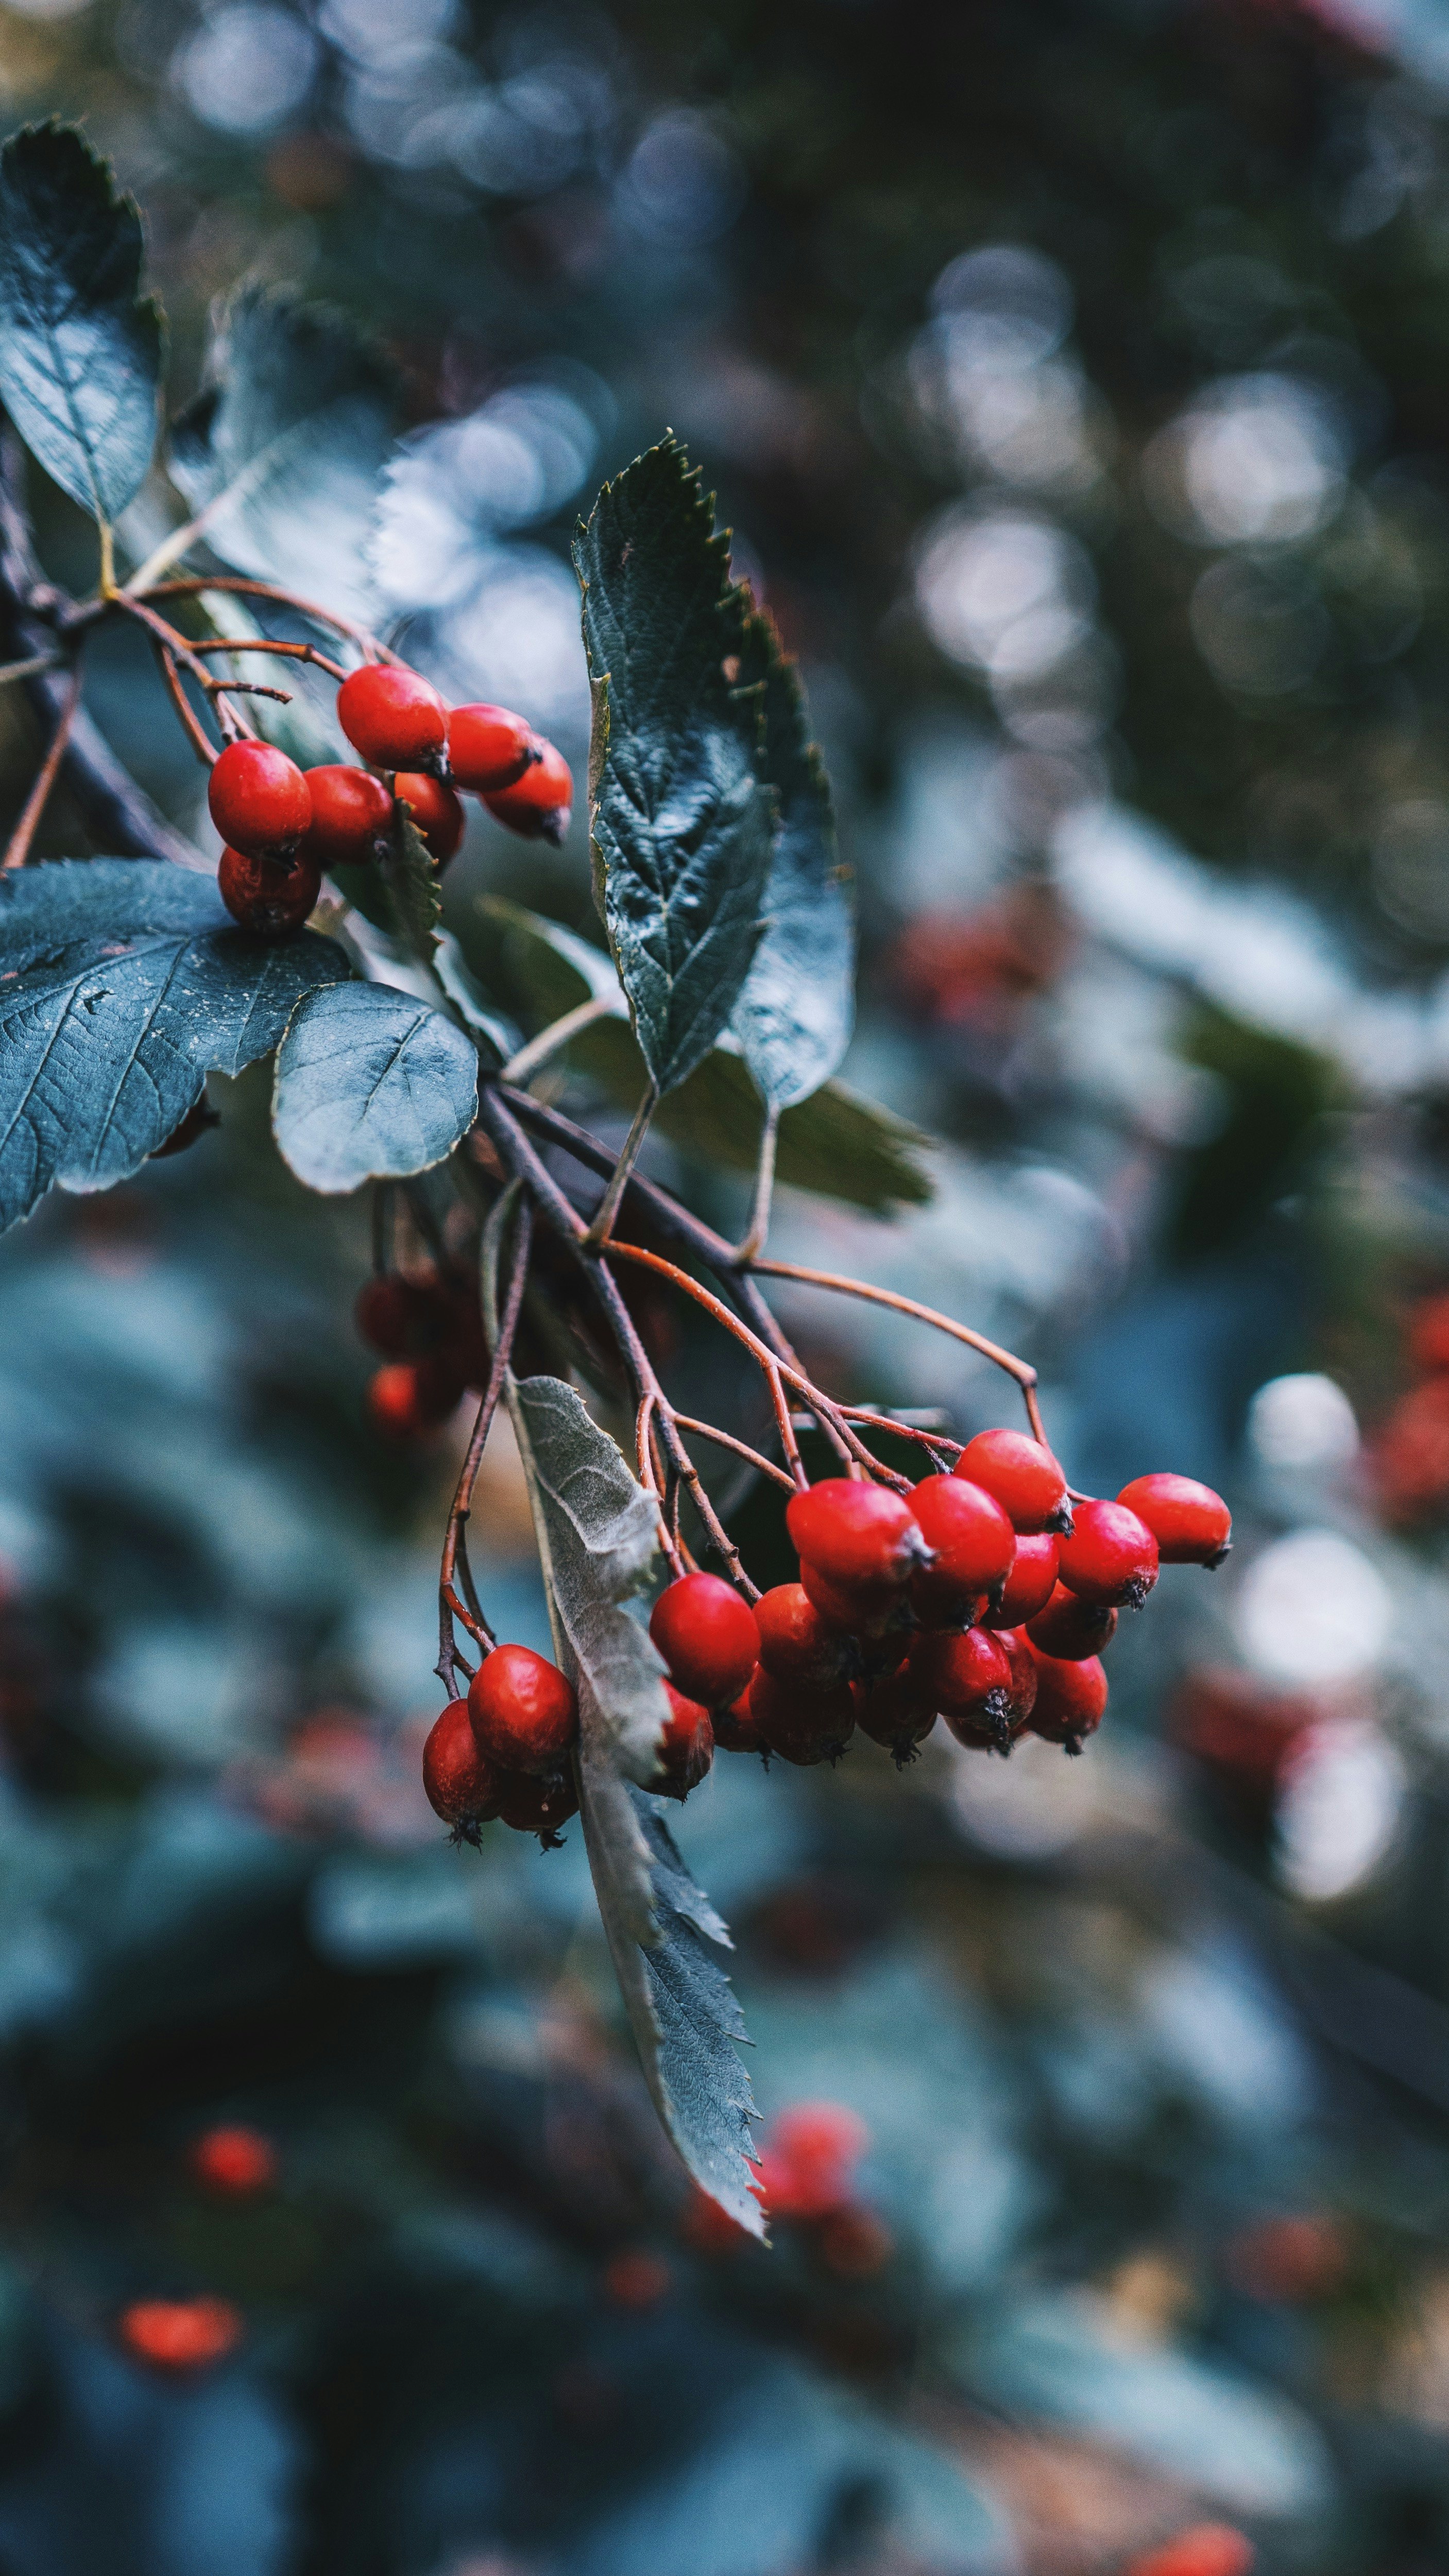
(1073, 378)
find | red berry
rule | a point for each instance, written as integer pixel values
(1110, 1557)
(181, 2334)
(1204, 2549)
(854, 1532)
(974, 1543)
(707, 1637)
(1072, 1629)
(822, 2138)
(1191, 1524)
(1030, 1584)
(524, 1712)
(351, 814)
(686, 1748)
(269, 897)
(1070, 1699)
(260, 801)
(540, 803)
(463, 1786)
(1022, 1689)
(968, 1676)
(735, 1730)
(1023, 1476)
(192, 1128)
(390, 1312)
(236, 2161)
(802, 1726)
(409, 1398)
(459, 1319)
(796, 1643)
(539, 1806)
(437, 813)
(896, 1712)
(857, 1610)
(489, 748)
(393, 716)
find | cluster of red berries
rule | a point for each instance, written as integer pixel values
(985, 1597)
(283, 825)
(428, 1331)
(1410, 1455)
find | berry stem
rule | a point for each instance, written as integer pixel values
(203, 749)
(596, 1240)
(755, 1240)
(1021, 1370)
(550, 1042)
(455, 1554)
(726, 1440)
(18, 847)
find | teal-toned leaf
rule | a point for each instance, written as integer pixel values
(414, 889)
(284, 446)
(794, 1017)
(371, 1085)
(123, 983)
(80, 346)
(680, 822)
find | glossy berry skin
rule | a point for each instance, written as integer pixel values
(801, 1726)
(736, 1730)
(856, 1610)
(1022, 1687)
(260, 801)
(686, 1748)
(1023, 1476)
(538, 1806)
(394, 717)
(181, 2334)
(967, 1674)
(489, 748)
(974, 1544)
(1070, 1699)
(437, 813)
(1191, 1524)
(1072, 1629)
(1028, 1587)
(269, 897)
(235, 2162)
(895, 1712)
(540, 803)
(523, 1710)
(351, 814)
(463, 1786)
(1110, 1557)
(410, 1398)
(707, 1636)
(854, 1533)
(796, 1643)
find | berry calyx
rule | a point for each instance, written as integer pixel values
(686, 1747)
(974, 1545)
(1023, 1476)
(489, 748)
(540, 803)
(523, 1710)
(269, 897)
(1029, 1586)
(707, 1637)
(190, 1130)
(539, 1806)
(1110, 1556)
(1191, 1524)
(181, 2334)
(1072, 1629)
(797, 1644)
(968, 1676)
(260, 801)
(896, 1712)
(1070, 1699)
(856, 1533)
(351, 814)
(393, 716)
(802, 1726)
(437, 813)
(463, 1786)
(409, 1398)
(235, 2161)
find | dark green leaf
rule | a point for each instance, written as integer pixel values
(284, 447)
(414, 889)
(80, 347)
(680, 822)
(371, 1085)
(794, 1017)
(123, 983)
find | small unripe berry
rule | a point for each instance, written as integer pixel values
(802, 1726)
(1191, 1524)
(796, 1643)
(967, 1675)
(181, 2334)
(269, 897)
(707, 1637)
(393, 716)
(489, 748)
(736, 1730)
(437, 813)
(1029, 1586)
(463, 1786)
(260, 801)
(523, 1710)
(540, 803)
(538, 1806)
(1110, 1557)
(686, 1747)
(854, 1532)
(974, 1544)
(234, 2161)
(1023, 1476)
(410, 1398)
(858, 1609)
(351, 814)
(896, 1712)
(1070, 1699)
(191, 1129)
(1072, 1629)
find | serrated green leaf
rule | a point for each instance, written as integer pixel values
(80, 346)
(123, 983)
(680, 822)
(371, 1085)
(793, 1019)
(414, 888)
(284, 446)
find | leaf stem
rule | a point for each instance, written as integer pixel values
(608, 1208)
(755, 1240)
(549, 1042)
(741, 1449)
(18, 848)
(26, 670)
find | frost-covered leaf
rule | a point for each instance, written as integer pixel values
(284, 446)
(123, 983)
(680, 822)
(794, 1017)
(371, 1085)
(80, 346)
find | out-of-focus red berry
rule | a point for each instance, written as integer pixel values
(1110, 1557)
(856, 2243)
(1070, 1699)
(1072, 1629)
(523, 1710)
(707, 1637)
(1023, 1476)
(735, 1729)
(181, 2334)
(1029, 1585)
(393, 716)
(1288, 2259)
(463, 1786)
(410, 1398)
(540, 803)
(390, 1312)
(1428, 1334)
(235, 2161)
(855, 1533)
(636, 2278)
(1191, 1524)
(1204, 2549)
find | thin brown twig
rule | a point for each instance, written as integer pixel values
(18, 846)
(192, 583)
(741, 1448)
(269, 644)
(788, 1440)
(455, 1554)
(1021, 1370)
(231, 723)
(204, 750)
